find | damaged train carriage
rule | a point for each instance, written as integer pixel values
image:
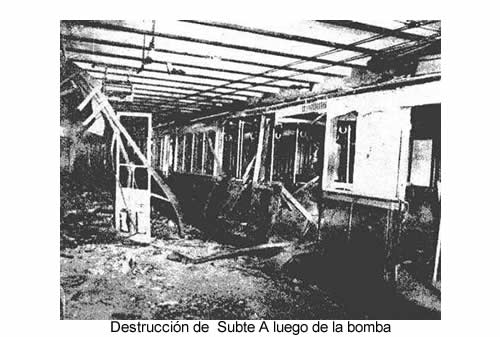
(362, 165)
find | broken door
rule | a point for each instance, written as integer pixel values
(133, 183)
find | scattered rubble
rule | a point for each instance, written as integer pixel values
(105, 276)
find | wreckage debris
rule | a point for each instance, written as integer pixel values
(265, 248)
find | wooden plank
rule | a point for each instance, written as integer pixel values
(438, 246)
(244, 251)
(93, 115)
(266, 148)
(88, 98)
(260, 146)
(306, 185)
(266, 247)
(289, 120)
(70, 77)
(349, 226)
(68, 91)
(218, 163)
(296, 152)
(271, 164)
(154, 195)
(219, 149)
(239, 151)
(288, 196)
(437, 259)
(203, 141)
(246, 175)
(317, 119)
(116, 135)
(362, 200)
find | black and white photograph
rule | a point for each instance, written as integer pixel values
(257, 170)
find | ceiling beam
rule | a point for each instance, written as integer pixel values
(153, 88)
(168, 99)
(372, 38)
(163, 80)
(284, 36)
(149, 84)
(162, 97)
(114, 27)
(148, 89)
(372, 29)
(152, 108)
(169, 105)
(168, 51)
(156, 110)
(187, 75)
(184, 65)
(159, 98)
(159, 105)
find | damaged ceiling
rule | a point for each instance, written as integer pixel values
(181, 70)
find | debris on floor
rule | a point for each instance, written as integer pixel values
(108, 276)
(119, 281)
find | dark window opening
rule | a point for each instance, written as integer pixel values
(230, 149)
(180, 153)
(188, 150)
(209, 154)
(346, 148)
(424, 168)
(198, 153)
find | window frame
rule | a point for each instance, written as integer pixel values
(344, 186)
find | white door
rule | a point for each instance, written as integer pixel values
(133, 183)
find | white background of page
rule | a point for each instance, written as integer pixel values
(30, 151)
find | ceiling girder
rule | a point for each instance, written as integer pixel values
(285, 36)
(168, 51)
(114, 27)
